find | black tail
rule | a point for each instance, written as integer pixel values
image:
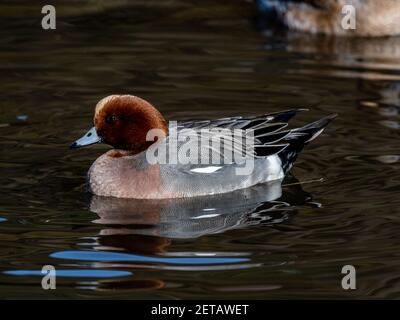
(299, 137)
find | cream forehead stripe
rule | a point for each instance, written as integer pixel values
(104, 101)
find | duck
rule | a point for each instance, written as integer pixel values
(372, 18)
(264, 150)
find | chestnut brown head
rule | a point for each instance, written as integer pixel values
(123, 122)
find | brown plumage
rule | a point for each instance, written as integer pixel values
(123, 122)
(374, 18)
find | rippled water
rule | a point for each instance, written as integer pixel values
(196, 60)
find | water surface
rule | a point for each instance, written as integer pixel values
(194, 60)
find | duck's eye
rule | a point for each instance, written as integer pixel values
(110, 119)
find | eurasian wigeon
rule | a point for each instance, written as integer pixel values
(124, 121)
(373, 18)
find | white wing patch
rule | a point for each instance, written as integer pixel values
(210, 169)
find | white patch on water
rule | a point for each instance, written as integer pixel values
(204, 216)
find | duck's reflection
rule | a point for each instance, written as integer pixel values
(138, 234)
(121, 284)
(192, 217)
(384, 100)
(372, 62)
(372, 59)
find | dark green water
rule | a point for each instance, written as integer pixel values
(195, 61)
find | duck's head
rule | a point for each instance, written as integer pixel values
(123, 122)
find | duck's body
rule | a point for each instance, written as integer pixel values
(373, 18)
(134, 177)
(128, 173)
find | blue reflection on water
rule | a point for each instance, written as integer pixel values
(2, 219)
(116, 256)
(73, 273)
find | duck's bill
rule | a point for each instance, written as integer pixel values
(89, 138)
